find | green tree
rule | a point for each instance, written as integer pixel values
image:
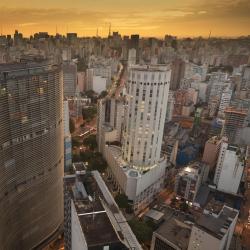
(122, 200)
(89, 113)
(90, 142)
(103, 94)
(71, 126)
(141, 229)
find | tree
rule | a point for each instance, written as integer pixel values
(141, 229)
(71, 126)
(122, 200)
(103, 94)
(90, 142)
(89, 113)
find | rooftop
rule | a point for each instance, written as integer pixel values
(101, 220)
(217, 226)
(176, 228)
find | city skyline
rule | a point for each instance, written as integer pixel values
(187, 18)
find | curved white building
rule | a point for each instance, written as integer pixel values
(145, 111)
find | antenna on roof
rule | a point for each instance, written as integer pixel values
(209, 34)
(109, 29)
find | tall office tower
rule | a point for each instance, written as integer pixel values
(69, 78)
(134, 44)
(230, 167)
(234, 122)
(145, 115)
(31, 154)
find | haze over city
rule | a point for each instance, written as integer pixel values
(148, 18)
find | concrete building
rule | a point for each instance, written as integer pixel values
(235, 119)
(230, 168)
(131, 57)
(31, 154)
(214, 231)
(212, 150)
(189, 180)
(138, 168)
(69, 78)
(92, 218)
(99, 84)
(110, 113)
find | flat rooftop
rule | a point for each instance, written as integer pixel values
(217, 226)
(174, 229)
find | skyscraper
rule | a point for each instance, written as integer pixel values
(138, 168)
(31, 154)
(145, 115)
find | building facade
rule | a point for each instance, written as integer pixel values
(31, 154)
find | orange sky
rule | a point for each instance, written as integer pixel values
(146, 17)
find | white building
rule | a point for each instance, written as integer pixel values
(170, 106)
(214, 231)
(138, 169)
(230, 168)
(145, 115)
(99, 84)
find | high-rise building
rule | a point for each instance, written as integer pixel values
(138, 168)
(31, 154)
(145, 114)
(234, 121)
(69, 78)
(230, 168)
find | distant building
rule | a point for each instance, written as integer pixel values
(230, 167)
(92, 218)
(189, 180)
(69, 78)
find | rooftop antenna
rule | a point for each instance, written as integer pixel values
(209, 35)
(56, 29)
(109, 29)
(97, 32)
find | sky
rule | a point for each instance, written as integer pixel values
(156, 18)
